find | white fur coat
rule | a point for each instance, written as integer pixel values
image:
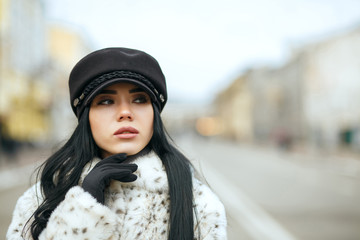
(135, 210)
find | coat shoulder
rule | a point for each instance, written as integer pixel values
(24, 208)
(205, 197)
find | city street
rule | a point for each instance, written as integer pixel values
(268, 194)
(274, 195)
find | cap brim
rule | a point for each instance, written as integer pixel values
(101, 86)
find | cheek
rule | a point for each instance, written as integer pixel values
(95, 124)
(151, 122)
(147, 118)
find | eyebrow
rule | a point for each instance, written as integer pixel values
(135, 90)
(106, 91)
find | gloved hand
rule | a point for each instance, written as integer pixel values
(107, 169)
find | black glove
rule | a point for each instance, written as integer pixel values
(107, 169)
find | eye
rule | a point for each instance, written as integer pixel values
(140, 99)
(105, 102)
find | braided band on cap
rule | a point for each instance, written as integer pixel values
(113, 75)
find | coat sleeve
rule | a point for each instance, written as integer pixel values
(80, 216)
(211, 217)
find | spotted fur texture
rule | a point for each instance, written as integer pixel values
(136, 210)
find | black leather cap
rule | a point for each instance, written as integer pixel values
(111, 65)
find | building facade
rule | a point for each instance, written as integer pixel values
(312, 98)
(36, 58)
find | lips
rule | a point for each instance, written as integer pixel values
(126, 132)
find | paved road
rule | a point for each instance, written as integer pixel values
(282, 196)
(267, 194)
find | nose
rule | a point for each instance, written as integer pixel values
(125, 113)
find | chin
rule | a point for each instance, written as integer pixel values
(128, 148)
(128, 151)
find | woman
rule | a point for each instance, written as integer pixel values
(118, 176)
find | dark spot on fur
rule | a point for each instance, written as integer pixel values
(84, 230)
(75, 231)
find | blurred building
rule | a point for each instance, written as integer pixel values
(234, 106)
(65, 47)
(313, 98)
(23, 60)
(36, 58)
(331, 90)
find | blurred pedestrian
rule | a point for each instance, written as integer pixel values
(118, 176)
(9, 147)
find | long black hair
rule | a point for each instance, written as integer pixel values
(178, 170)
(63, 169)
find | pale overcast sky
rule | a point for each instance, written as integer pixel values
(203, 44)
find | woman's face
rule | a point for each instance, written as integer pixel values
(121, 119)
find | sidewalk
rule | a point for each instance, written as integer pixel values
(340, 162)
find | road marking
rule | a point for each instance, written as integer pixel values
(258, 224)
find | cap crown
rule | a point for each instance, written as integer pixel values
(109, 60)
